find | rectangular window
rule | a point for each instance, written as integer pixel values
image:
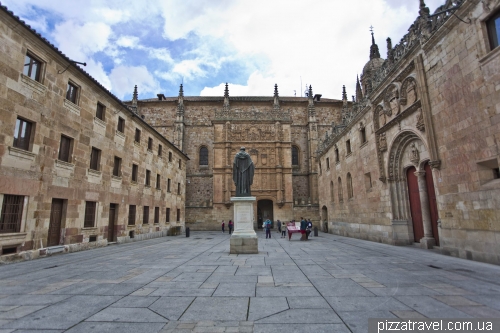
(135, 171)
(137, 135)
(167, 218)
(160, 147)
(145, 216)
(337, 156)
(148, 178)
(170, 156)
(65, 149)
(157, 215)
(327, 163)
(131, 214)
(32, 67)
(363, 135)
(368, 181)
(158, 181)
(72, 93)
(100, 111)
(168, 185)
(180, 163)
(150, 144)
(178, 215)
(22, 134)
(90, 213)
(117, 167)
(121, 125)
(12, 213)
(179, 188)
(95, 159)
(493, 26)
(348, 146)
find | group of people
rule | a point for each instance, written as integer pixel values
(305, 228)
(230, 226)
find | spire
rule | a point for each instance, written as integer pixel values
(344, 94)
(181, 91)
(390, 55)
(226, 97)
(423, 10)
(134, 96)
(374, 52)
(310, 93)
(276, 97)
(359, 92)
(180, 104)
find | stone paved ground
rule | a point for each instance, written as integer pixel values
(178, 284)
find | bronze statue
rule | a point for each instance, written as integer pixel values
(243, 170)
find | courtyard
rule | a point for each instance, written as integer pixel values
(179, 284)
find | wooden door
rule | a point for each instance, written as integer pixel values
(56, 212)
(111, 225)
(432, 202)
(415, 206)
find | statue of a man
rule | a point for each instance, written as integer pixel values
(243, 170)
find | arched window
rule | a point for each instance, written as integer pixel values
(350, 193)
(295, 155)
(203, 156)
(332, 195)
(341, 195)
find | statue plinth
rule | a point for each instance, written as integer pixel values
(244, 239)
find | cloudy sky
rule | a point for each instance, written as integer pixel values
(251, 44)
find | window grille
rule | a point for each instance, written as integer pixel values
(12, 213)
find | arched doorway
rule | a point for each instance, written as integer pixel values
(415, 206)
(264, 211)
(431, 193)
(324, 218)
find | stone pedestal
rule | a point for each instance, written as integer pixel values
(244, 239)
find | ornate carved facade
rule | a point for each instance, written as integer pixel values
(432, 141)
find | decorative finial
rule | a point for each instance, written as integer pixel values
(181, 91)
(135, 93)
(344, 94)
(276, 90)
(422, 4)
(374, 52)
(359, 92)
(226, 91)
(310, 91)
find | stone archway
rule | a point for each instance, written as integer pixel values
(264, 211)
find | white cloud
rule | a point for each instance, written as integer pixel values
(96, 70)
(128, 41)
(124, 78)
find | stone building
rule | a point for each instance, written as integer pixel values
(280, 133)
(78, 168)
(416, 158)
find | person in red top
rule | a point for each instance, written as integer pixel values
(223, 224)
(230, 226)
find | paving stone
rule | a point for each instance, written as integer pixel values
(21, 311)
(182, 292)
(405, 314)
(143, 291)
(217, 308)
(363, 304)
(129, 315)
(135, 302)
(480, 311)
(171, 307)
(493, 301)
(286, 291)
(455, 300)
(261, 307)
(410, 291)
(300, 328)
(358, 321)
(86, 327)
(340, 287)
(303, 316)
(235, 289)
(306, 302)
(64, 314)
(33, 299)
(431, 308)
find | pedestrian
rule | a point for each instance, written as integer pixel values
(223, 224)
(309, 228)
(279, 226)
(230, 225)
(268, 228)
(303, 227)
(283, 229)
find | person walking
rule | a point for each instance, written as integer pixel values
(309, 228)
(283, 229)
(279, 225)
(230, 225)
(303, 227)
(223, 225)
(268, 228)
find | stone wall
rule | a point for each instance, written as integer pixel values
(38, 174)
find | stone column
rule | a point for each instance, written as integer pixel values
(428, 241)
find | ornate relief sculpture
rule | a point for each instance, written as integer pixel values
(408, 91)
(392, 101)
(420, 121)
(414, 154)
(382, 142)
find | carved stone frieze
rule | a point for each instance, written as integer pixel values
(408, 91)
(397, 119)
(382, 142)
(256, 114)
(391, 100)
(414, 154)
(420, 121)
